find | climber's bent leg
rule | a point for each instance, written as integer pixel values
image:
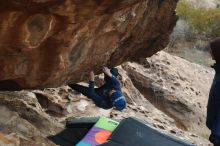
(80, 88)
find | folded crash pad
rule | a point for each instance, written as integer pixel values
(76, 129)
(132, 132)
(99, 133)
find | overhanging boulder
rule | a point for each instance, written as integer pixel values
(47, 43)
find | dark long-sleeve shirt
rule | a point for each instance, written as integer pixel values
(110, 84)
(103, 100)
(100, 96)
(213, 109)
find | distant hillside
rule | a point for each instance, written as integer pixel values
(204, 3)
(198, 23)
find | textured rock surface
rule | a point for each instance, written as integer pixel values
(23, 122)
(46, 43)
(28, 117)
(176, 87)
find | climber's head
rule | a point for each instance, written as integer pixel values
(118, 100)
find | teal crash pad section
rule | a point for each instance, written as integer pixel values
(82, 143)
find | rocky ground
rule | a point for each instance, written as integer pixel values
(165, 91)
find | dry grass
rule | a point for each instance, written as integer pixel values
(202, 20)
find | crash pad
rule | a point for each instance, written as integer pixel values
(129, 132)
(99, 133)
(133, 132)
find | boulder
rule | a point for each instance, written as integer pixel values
(177, 87)
(23, 122)
(47, 43)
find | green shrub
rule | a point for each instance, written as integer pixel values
(204, 21)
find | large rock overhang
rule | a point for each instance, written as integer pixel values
(47, 43)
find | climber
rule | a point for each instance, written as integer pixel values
(108, 95)
(213, 108)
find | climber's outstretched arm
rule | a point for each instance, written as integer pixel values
(113, 79)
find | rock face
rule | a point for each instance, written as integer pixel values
(176, 87)
(164, 91)
(23, 121)
(46, 43)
